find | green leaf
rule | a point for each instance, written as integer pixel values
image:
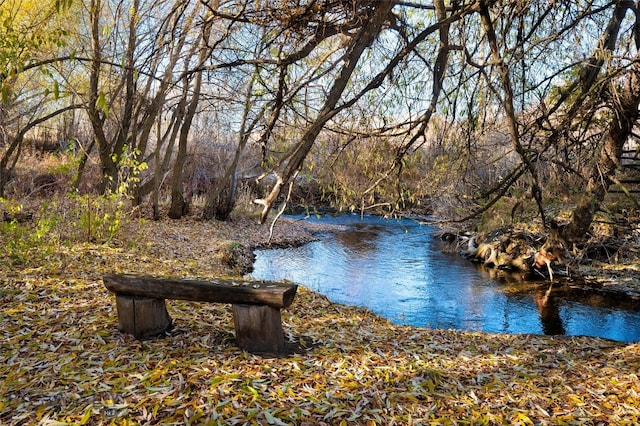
(87, 415)
(6, 93)
(272, 420)
(61, 5)
(101, 103)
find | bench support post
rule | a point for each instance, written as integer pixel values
(142, 316)
(259, 329)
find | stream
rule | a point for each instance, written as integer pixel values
(398, 270)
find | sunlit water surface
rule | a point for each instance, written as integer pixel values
(398, 270)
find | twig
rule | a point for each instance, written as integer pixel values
(284, 206)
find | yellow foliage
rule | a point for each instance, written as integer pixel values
(27, 15)
(30, 28)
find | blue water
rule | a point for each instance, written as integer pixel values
(397, 269)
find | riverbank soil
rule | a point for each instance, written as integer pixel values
(63, 361)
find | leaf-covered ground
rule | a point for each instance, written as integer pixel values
(63, 361)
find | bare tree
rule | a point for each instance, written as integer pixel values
(129, 87)
(376, 16)
(189, 106)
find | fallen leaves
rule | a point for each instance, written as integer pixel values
(62, 359)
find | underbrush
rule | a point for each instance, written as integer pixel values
(32, 233)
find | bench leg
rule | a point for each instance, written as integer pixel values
(259, 329)
(142, 316)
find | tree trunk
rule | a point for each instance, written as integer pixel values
(162, 164)
(179, 205)
(508, 105)
(221, 200)
(153, 111)
(8, 161)
(97, 103)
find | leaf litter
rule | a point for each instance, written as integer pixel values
(63, 361)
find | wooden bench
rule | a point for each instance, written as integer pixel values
(256, 306)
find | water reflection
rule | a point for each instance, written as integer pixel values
(549, 313)
(396, 269)
(544, 296)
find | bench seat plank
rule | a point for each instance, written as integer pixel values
(270, 293)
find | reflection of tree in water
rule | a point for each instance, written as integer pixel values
(362, 240)
(549, 313)
(548, 309)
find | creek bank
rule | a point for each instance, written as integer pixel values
(513, 250)
(602, 265)
(222, 247)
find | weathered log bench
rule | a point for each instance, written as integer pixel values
(256, 306)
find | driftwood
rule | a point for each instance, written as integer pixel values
(256, 306)
(516, 251)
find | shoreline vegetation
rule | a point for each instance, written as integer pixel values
(63, 360)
